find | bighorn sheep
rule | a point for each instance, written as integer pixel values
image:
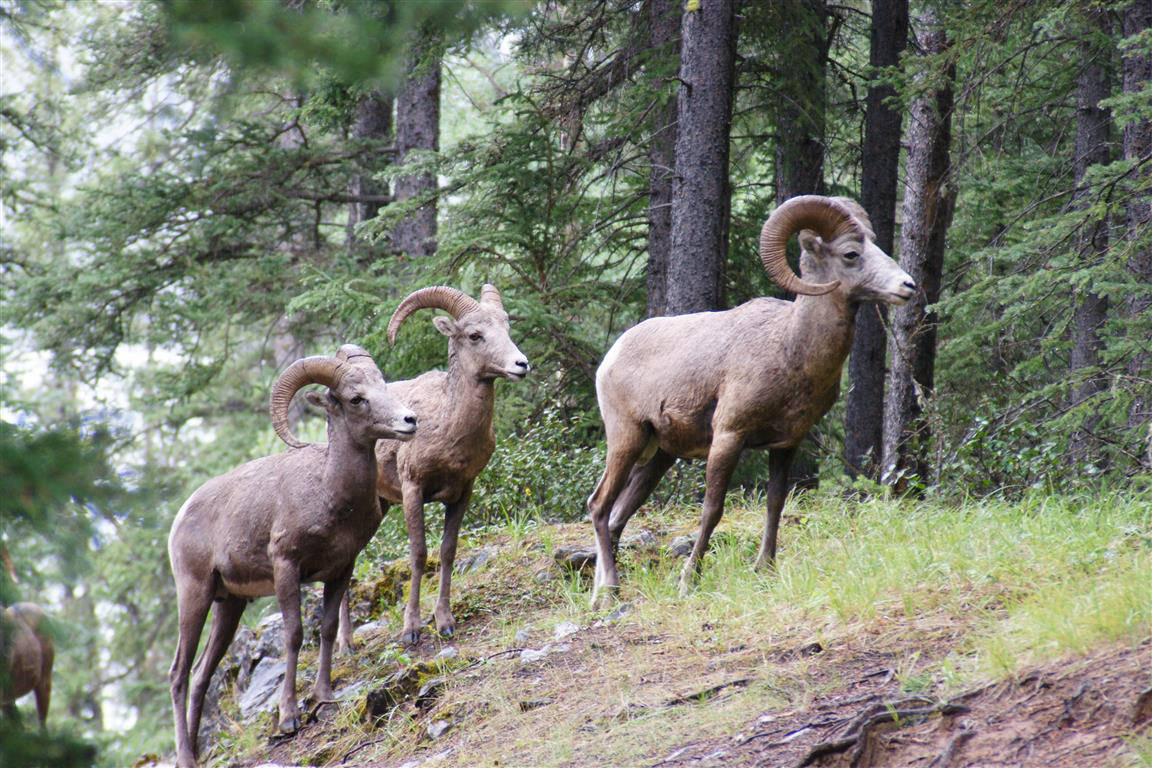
(26, 652)
(276, 522)
(711, 384)
(456, 437)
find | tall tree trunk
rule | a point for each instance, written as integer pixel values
(664, 37)
(418, 128)
(927, 213)
(371, 122)
(1092, 133)
(700, 190)
(800, 132)
(800, 118)
(864, 403)
(1138, 213)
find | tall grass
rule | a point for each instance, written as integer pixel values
(1034, 578)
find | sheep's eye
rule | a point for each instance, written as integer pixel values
(851, 255)
(356, 400)
(476, 336)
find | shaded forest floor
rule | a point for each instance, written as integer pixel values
(894, 633)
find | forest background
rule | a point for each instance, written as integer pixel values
(194, 195)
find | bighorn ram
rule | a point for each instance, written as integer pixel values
(709, 385)
(26, 652)
(456, 438)
(276, 522)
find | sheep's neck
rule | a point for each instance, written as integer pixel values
(349, 470)
(472, 398)
(821, 334)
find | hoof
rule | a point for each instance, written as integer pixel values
(290, 725)
(447, 631)
(605, 597)
(410, 637)
(322, 695)
(185, 761)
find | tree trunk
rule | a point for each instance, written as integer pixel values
(664, 37)
(927, 213)
(372, 122)
(800, 118)
(800, 131)
(864, 403)
(418, 128)
(700, 190)
(1138, 212)
(1092, 133)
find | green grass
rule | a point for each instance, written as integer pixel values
(1037, 578)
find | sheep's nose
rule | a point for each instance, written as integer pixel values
(910, 285)
(410, 420)
(523, 364)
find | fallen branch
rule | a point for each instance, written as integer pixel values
(856, 735)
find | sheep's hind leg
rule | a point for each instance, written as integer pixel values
(642, 480)
(623, 451)
(334, 593)
(193, 604)
(779, 462)
(286, 575)
(418, 559)
(453, 515)
(722, 459)
(225, 619)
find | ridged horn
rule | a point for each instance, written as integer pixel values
(490, 295)
(454, 302)
(309, 370)
(829, 218)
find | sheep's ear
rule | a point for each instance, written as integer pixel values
(445, 325)
(811, 242)
(317, 400)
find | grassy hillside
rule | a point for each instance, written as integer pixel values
(933, 614)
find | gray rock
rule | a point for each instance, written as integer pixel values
(623, 610)
(473, 561)
(260, 695)
(429, 691)
(522, 637)
(564, 629)
(640, 539)
(351, 690)
(681, 546)
(438, 728)
(528, 655)
(575, 558)
(370, 628)
(543, 576)
(448, 652)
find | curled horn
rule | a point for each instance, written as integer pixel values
(309, 370)
(828, 217)
(454, 302)
(490, 295)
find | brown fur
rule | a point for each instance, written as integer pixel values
(27, 652)
(708, 385)
(272, 524)
(455, 442)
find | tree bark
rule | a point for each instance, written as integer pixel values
(418, 128)
(664, 38)
(800, 133)
(927, 214)
(700, 191)
(801, 116)
(864, 403)
(372, 122)
(1092, 134)
(1137, 73)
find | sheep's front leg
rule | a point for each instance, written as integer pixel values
(453, 515)
(286, 575)
(334, 593)
(722, 459)
(418, 559)
(779, 462)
